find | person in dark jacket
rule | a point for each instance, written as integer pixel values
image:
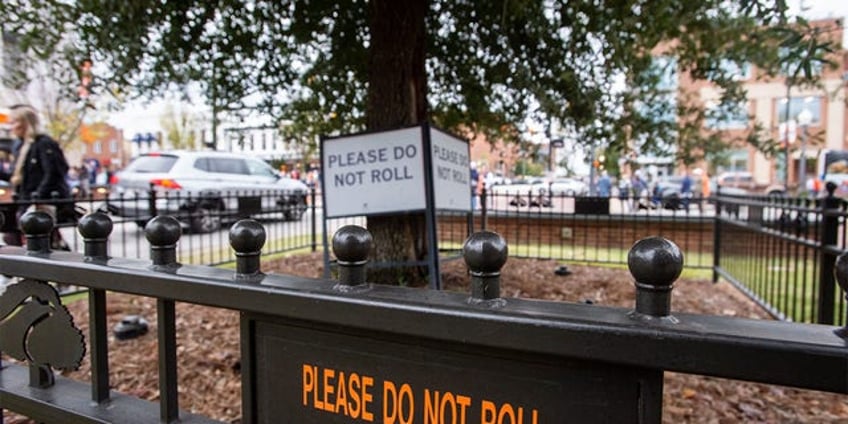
(38, 171)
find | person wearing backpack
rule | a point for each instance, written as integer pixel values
(38, 171)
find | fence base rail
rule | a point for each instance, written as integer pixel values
(69, 401)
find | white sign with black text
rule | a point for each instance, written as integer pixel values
(373, 173)
(377, 173)
(451, 172)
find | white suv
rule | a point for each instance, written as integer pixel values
(202, 189)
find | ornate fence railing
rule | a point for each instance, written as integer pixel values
(318, 350)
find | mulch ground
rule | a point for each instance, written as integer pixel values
(209, 367)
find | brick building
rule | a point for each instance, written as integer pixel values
(775, 105)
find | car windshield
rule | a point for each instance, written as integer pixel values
(150, 164)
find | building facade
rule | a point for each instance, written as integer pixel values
(777, 105)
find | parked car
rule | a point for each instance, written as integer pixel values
(568, 187)
(203, 188)
(745, 181)
(521, 192)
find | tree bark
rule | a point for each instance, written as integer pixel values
(397, 97)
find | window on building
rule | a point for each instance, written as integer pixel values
(660, 107)
(113, 146)
(790, 65)
(733, 161)
(663, 106)
(734, 70)
(795, 105)
(738, 160)
(726, 117)
(97, 147)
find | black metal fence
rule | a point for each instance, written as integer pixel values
(290, 226)
(778, 250)
(781, 252)
(595, 230)
(399, 348)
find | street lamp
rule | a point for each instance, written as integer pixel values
(805, 117)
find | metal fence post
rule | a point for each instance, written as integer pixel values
(717, 235)
(95, 230)
(483, 209)
(37, 226)
(163, 233)
(151, 201)
(655, 264)
(314, 221)
(841, 274)
(827, 237)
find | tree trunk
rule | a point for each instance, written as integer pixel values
(397, 97)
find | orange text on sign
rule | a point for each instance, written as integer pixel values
(334, 391)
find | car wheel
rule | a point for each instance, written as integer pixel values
(205, 219)
(776, 193)
(295, 212)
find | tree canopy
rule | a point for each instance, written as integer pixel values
(319, 66)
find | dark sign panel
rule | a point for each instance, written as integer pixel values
(306, 375)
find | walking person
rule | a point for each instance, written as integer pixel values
(700, 188)
(38, 172)
(604, 185)
(624, 193)
(640, 192)
(474, 180)
(686, 190)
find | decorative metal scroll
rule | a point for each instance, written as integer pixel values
(36, 328)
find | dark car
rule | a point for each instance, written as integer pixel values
(667, 192)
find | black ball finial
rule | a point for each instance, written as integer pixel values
(95, 229)
(485, 253)
(247, 236)
(352, 244)
(37, 226)
(163, 231)
(96, 226)
(37, 223)
(655, 261)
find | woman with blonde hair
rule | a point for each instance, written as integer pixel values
(39, 168)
